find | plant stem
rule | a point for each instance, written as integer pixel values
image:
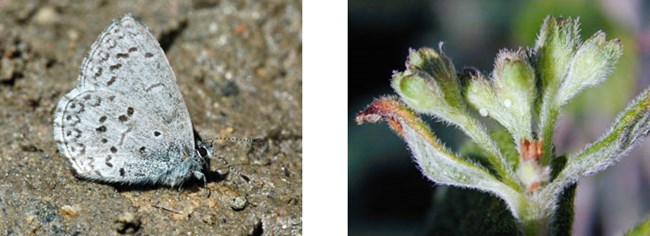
(476, 131)
(549, 115)
(535, 227)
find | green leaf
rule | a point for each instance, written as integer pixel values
(429, 87)
(506, 146)
(631, 127)
(434, 160)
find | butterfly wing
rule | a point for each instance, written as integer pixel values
(126, 121)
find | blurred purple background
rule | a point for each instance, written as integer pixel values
(387, 194)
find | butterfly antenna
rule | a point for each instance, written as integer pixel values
(248, 140)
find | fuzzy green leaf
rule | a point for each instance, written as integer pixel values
(434, 160)
(431, 89)
(631, 127)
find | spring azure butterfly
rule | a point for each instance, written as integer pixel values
(126, 121)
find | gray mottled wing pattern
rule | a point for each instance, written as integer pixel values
(126, 121)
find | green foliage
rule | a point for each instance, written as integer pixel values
(525, 28)
(517, 164)
(508, 95)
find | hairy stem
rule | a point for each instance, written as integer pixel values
(549, 114)
(477, 132)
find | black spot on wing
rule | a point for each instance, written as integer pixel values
(111, 80)
(108, 161)
(115, 67)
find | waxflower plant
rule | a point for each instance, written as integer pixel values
(525, 93)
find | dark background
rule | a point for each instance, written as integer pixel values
(388, 195)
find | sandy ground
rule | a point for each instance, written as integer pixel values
(238, 64)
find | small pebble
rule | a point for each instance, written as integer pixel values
(68, 211)
(46, 15)
(238, 203)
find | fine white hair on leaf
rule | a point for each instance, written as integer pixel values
(630, 128)
(441, 166)
(593, 62)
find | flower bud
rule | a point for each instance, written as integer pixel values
(593, 61)
(508, 96)
(430, 84)
(555, 46)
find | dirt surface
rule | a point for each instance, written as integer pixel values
(239, 67)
